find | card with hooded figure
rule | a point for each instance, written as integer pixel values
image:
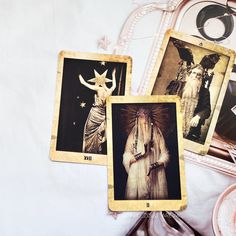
(145, 154)
(84, 81)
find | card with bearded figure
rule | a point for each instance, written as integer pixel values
(84, 81)
(145, 154)
(198, 72)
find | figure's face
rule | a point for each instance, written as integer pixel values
(196, 74)
(143, 114)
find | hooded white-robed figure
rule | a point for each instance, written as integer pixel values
(147, 139)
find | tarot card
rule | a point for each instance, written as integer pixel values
(145, 154)
(84, 82)
(206, 16)
(198, 72)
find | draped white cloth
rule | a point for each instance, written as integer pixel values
(94, 130)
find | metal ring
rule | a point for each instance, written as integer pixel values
(219, 12)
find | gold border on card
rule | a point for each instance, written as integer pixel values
(201, 149)
(145, 205)
(79, 157)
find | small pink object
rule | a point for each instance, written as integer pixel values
(103, 43)
(224, 213)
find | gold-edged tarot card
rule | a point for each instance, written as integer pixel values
(145, 154)
(84, 81)
(198, 72)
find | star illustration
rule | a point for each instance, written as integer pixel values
(100, 80)
(103, 43)
(103, 63)
(82, 104)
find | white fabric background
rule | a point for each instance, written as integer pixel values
(40, 197)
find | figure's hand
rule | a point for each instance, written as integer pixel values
(104, 139)
(154, 166)
(194, 121)
(133, 160)
(81, 79)
(114, 72)
(160, 162)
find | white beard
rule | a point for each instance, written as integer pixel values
(189, 102)
(191, 88)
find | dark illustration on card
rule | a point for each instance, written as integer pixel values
(192, 84)
(86, 84)
(147, 143)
